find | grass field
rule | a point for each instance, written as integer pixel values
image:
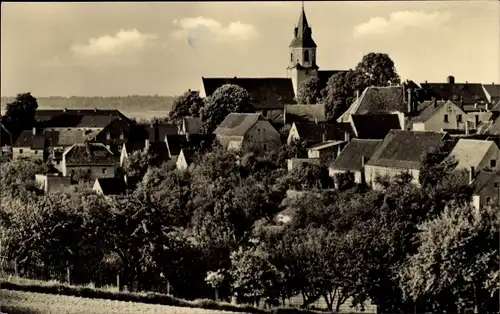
(31, 302)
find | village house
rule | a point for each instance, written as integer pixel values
(52, 181)
(486, 185)
(29, 144)
(492, 92)
(478, 154)
(94, 159)
(383, 100)
(353, 158)
(190, 125)
(241, 131)
(469, 95)
(315, 133)
(436, 115)
(327, 150)
(374, 126)
(400, 152)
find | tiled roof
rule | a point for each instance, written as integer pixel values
(238, 124)
(371, 126)
(469, 93)
(492, 89)
(195, 141)
(193, 125)
(303, 113)
(76, 118)
(377, 100)
(485, 180)
(265, 93)
(89, 154)
(66, 137)
(28, 139)
(350, 157)
(303, 37)
(159, 150)
(112, 186)
(470, 153)
(313, 132)
(405, 149)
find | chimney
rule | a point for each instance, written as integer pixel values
(146, 144)
(471, 175)
(34, 130)
(410, 108)
(363, 161)
(451, 79)
(357, 94)
(324, 137)
(347, 136)
(466, 127)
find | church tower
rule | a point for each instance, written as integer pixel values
(302, 51)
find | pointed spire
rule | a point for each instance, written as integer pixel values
(303, 33)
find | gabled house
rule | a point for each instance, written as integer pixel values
(241, 131)
(486, 185)
(435, 115)
(93, 158)
(478, 154)
(353, 158)
(30, 144)
(82, 119)
(492, 92)
(315, 133)
(401, 152)
(381, 100)
(374, 126)
(52, 181)
(304, 113)
(328, 150)
(114, 135)
(468, 94)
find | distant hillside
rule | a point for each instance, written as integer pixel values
(126, 103)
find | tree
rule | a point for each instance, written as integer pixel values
(21, 112)
(225, 100)
(187, 104)
(309, 91)
(377, 69)
(457, 258)
(309, 176)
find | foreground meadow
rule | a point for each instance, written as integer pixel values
(39, 303)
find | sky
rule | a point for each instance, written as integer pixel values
(161, 48)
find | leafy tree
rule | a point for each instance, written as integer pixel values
(187, 104)
(377, 69)
(309, 176)
(457, 258)
(225, 100)
(309, 91)
(17, 177)
(21, 112)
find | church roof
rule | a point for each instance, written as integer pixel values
(303, 34)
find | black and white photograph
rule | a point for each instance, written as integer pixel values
(260, 157)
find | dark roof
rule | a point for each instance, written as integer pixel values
(485, 180)
(28, 139)
(404, 149)
(72, 118)
(304, 113)
(350, 157)
(303, 34)
(313, 132)
(372, 126)
(493, 90)
(89, 154)
(238, 124)
(469, 93)
(196, 141)
(112, 186)
(64, 137)
(265, 93)
(382, 100)
(159, 149)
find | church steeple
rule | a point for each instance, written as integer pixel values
(303, 33)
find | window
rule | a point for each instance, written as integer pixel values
(57, 162)
(36, 152)
(493, 163)
(20, 151)
(446, 118)
(291, 57)
(306, 56)
(459, 118)
(488, 200)
(89, 171)
(265, 146)
(476, 119)
(104, 170)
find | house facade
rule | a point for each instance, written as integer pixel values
(478, 154)
(52, 181)
(440, 115)
(486, 186)
(94, 159)
(29, 144)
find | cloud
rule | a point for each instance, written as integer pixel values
(194, 28)
(400, 21)
(125, 41)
